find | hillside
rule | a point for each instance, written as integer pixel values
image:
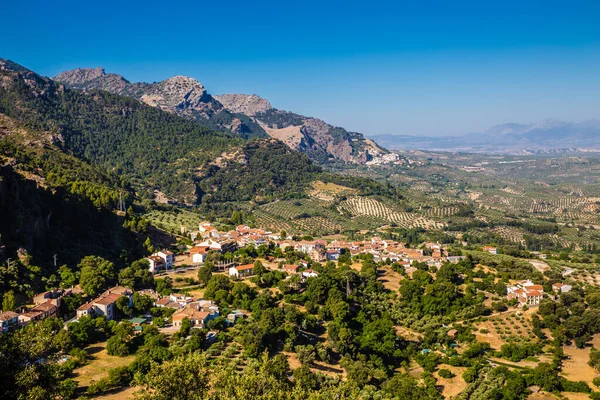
(54, 203)
(244, 115)
(158, 151)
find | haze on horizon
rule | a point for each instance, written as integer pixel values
(434, 69)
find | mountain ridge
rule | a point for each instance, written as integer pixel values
(241, 114)
(509, 138)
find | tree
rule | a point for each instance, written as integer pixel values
(148, 245)
(216, 283)
(141, 302)
(67, 277)
(259, 268)
(594, 359)
(96, 274)
(306, 354)
(180, 379)
(205, 273)
(122, 304)
(137, 276)
(8, 301)
(164, 286)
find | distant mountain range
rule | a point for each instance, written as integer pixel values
(510, 138)
(241, 114)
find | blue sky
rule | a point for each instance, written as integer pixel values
(418, 67)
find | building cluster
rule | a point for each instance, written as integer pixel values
(208, 239)
(526, 292)
(46, 305)
(530, 294)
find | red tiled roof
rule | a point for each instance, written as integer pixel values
(108, 299)
(86, 306)
(44, 307)
(8, 315)
(244, 267)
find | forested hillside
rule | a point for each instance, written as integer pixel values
(159, 152)
(54, 203)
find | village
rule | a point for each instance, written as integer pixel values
(252, 263)
(210, 241)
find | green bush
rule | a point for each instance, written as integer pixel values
(445, 373)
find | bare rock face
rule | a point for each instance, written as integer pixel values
(249, 105)
(80, 76)
(179, 94)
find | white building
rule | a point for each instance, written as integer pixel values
(241, 271)
(156, 263)
(561, 288)
(168, 257)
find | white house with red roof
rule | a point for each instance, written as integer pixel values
(241, 271)
(526, 292)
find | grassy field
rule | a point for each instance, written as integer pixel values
(98, 366)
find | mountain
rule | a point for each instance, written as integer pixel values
(244, 115)
(164, 156)
(318, 139)
(510, 138)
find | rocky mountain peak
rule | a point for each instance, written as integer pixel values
(179, 91)
(249, 104)
(79, 76)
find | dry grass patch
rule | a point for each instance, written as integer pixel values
(390, 279)
(408, 334)
(454, 386)
(575, 367)
(124, 394)
(99, 365)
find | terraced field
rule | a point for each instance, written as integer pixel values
(172, 221)
(367, 206)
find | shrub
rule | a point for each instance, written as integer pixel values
(445, 373)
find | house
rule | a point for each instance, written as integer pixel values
(526, 292)
(199, 254)
(38, 313)
(156, 263)
(166, 302)
(455, 259)
(54, 296)
(318, 254)
(561, 288)
(414, 254)
(206, 229)
(241, 271)
(198, 313)
(291, 269)
(137, 323)
(310, 273)
(168, 257)
(333, 254)
(233, 316)
(8, 320)
(307, 246)
(490, 249)
(197, 318)
(105, 304)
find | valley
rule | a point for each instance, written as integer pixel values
(160, 242)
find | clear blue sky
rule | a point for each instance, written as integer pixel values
(417, 67)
